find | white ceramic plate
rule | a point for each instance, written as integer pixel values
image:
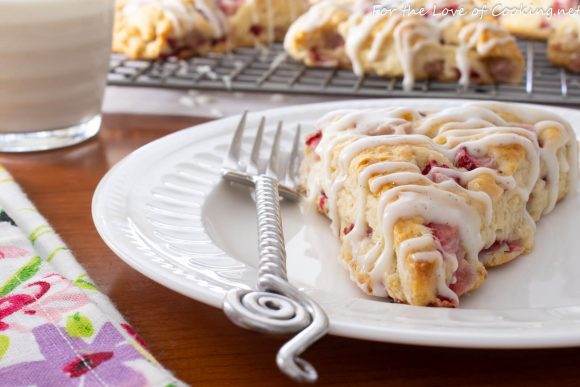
(165, 211)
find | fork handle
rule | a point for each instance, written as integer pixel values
(277, 307)
(270, 233)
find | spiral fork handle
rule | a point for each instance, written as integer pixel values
(277, 307)
(270, 233)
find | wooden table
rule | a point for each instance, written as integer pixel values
(197, 342)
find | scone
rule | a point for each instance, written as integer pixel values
(397, 46)
(423, 201)
(536, 20)
(484, 51)
(260, 21)
(314, 38)
(564, 44)
(152, 29)
(448, 49)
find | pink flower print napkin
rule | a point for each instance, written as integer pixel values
(56, 328)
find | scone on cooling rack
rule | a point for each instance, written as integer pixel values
(314, 38)
(526, 26)
(564, 44)
(397, 46)
(159, 28)
(423, 201)
(536, 21)
(485, 52)
(261, 21)
(448, 49)
(152, 29)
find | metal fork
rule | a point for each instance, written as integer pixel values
(275, 306)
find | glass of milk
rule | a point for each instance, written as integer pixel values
(54, 57)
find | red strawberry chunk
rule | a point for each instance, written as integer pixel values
(333, 41)
(448, 237)
(322, 200)
(315, 55)
(313, 139)
(514, 246)
(474, 76)
(464, 277)
(505, 246)
(430, 165)
(369, 231)
(464, 159)
(256, 30)
(348, 229)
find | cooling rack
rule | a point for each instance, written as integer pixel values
(270, 70)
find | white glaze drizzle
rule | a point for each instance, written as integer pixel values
(408, 34)
(470, 39)
(181, 15)
(317, 16)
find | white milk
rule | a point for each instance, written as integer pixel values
(53, 62)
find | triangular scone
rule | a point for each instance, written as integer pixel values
(424, 200)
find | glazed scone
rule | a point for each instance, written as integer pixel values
(564, 44)
(314, 38)
(485, 52)
(261, 21)
(397, 46)
(527, 26)
(537, 19)
(424, 200)
(152, 29)
(458, 48)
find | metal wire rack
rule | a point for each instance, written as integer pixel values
(270, 70)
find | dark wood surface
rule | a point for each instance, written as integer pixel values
(196, 341)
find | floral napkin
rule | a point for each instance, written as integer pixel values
(56, 328)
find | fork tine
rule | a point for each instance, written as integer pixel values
(273, 164)
(294, 158)
(236, 144)
(254, 163)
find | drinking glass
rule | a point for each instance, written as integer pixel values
(54, 57)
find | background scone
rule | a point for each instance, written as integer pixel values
(423, 200)
(484, 51)
(261, 21)
(152, 29)
(158, 28)
(455, 48)
(314, 38)
(564, 44)
(407, 47)
(537, 19)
